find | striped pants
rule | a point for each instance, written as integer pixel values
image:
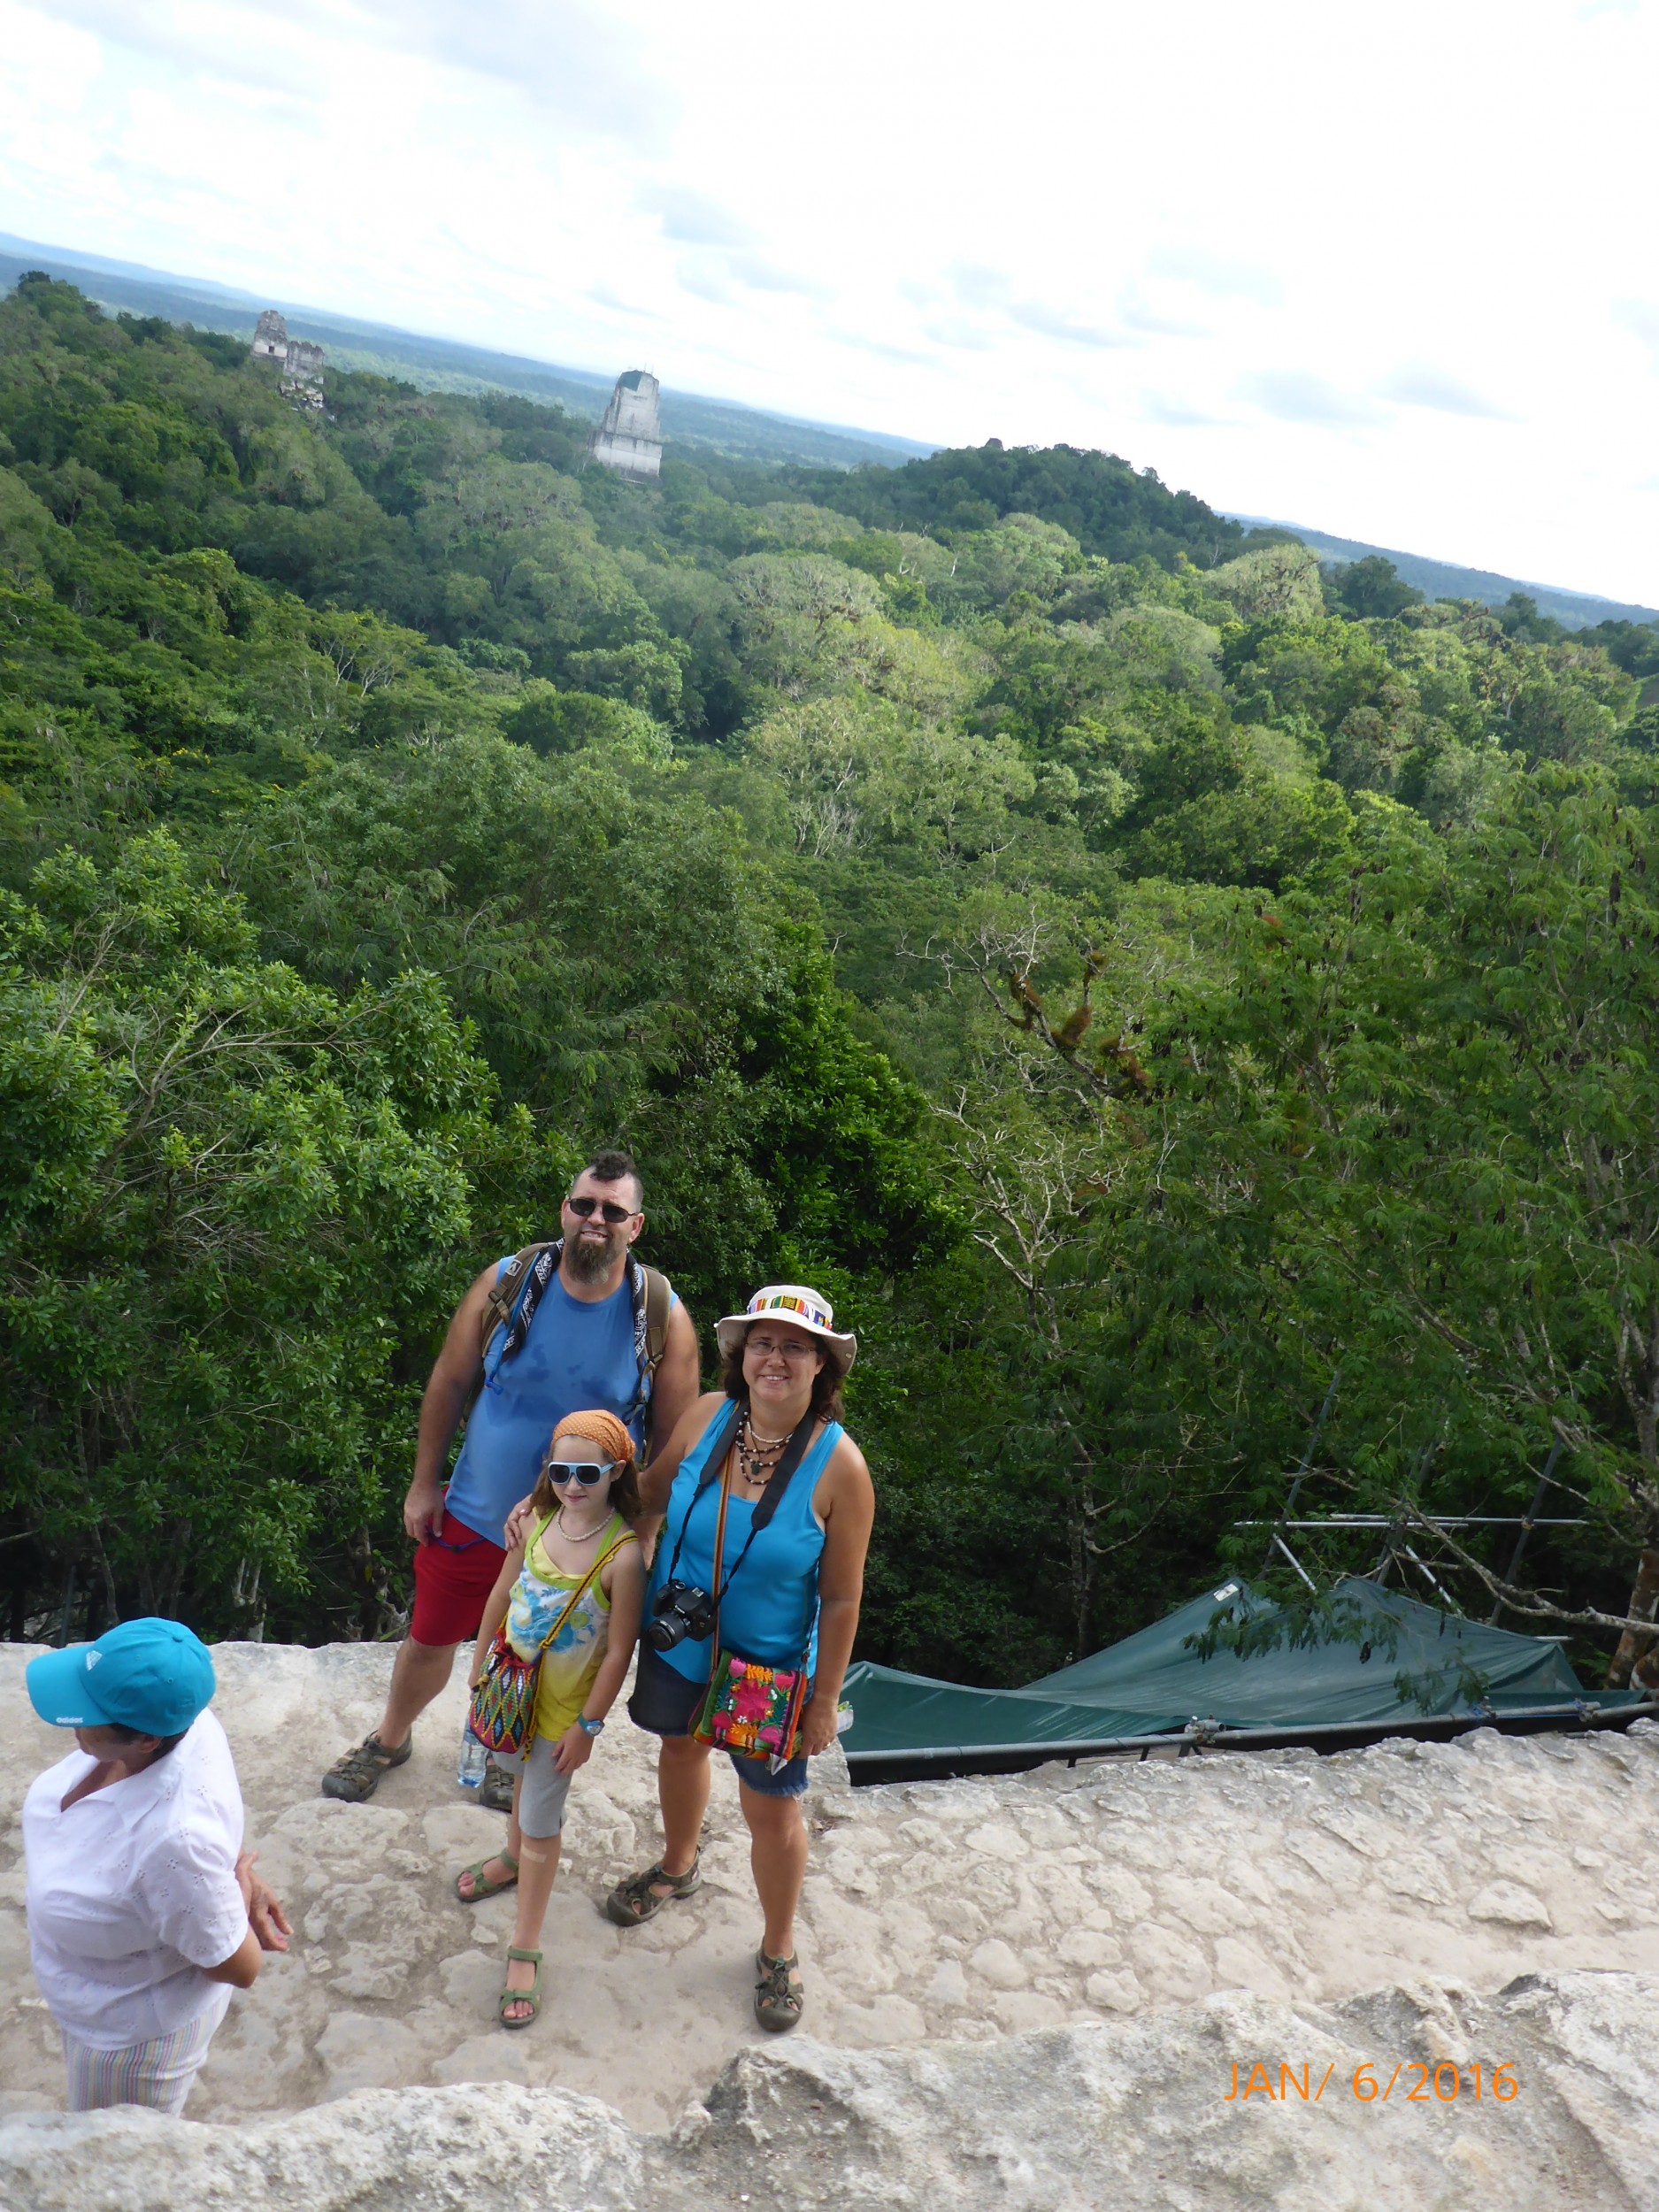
(158, 2074)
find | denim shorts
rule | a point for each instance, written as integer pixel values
(664, 1703)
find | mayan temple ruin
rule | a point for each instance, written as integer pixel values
(298, 359)
(629, 438)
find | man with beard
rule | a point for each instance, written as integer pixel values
(562, 1328)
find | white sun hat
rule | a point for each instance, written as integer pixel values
(789, 1301)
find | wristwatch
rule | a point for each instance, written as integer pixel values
(588, 1727)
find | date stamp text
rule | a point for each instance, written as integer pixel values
(1408, 2081)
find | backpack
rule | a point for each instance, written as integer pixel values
(503, 1296)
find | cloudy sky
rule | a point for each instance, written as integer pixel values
(1387, 272)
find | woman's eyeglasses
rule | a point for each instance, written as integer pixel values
(585, 1208)
(586, 1471)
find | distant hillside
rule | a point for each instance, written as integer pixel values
(887, 481)
(440, 364)
(1444, 579)
(1110, 507)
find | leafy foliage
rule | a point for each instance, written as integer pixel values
(1140, 976)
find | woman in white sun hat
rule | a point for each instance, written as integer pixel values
(768, 1505)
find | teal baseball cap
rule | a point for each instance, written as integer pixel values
(152, 1675)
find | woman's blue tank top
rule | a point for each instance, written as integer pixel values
(770, 1613)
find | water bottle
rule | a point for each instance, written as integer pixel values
(469, 1768)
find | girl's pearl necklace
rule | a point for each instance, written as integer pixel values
(598, 1527)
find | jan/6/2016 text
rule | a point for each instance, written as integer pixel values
(1410, 2081)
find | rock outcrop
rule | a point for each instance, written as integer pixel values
(1022, 1992)
(1131, 2116)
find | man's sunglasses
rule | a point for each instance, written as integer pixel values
(585, 1208)
(586, 1471)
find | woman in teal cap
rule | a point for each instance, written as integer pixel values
(144, 1911)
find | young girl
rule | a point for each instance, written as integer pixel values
(583, 1506)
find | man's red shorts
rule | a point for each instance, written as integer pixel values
(454, 1574)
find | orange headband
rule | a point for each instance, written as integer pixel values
(603, 1428)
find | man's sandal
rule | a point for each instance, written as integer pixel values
(778, 1995)
(495, 1790)
(531, 1996)
(637, 1900)
(482, 1887)
(357, 1776)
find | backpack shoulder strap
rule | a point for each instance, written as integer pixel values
(658, 1302)
(504, 1290)
(497, 1311)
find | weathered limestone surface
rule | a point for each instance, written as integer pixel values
(1105, 1901)
(1130, 2115)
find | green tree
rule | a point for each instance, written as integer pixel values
(1426, 1116)
(234, 1210)
(1370, 589)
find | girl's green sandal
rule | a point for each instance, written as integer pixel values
(482, 1887)
(531, 1996)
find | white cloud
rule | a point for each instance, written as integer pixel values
(1175, 413)
(1218, 274)
(977, 285)
(692, 218)
(1642, 318)
(1267, 255)
(1449, 394)
(1138, 312)
(1058, 323)
(1297, 396)
(573, 61)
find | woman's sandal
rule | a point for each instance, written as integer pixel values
(482, 1887)
(635, 1901)
(780, 1998)
(531, 1996)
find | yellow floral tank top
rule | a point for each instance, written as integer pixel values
(573, 1658)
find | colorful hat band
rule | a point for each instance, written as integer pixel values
(782, 1302)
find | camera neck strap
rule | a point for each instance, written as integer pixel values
(770, 1498)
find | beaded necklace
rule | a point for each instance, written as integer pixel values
(757, 1457)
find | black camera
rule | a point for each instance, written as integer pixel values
(678, 1609)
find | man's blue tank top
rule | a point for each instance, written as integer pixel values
(576, 1356)
(770, 1613)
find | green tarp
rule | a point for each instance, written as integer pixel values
(1324, 1683)
(894, 1712)
(1151, 1684)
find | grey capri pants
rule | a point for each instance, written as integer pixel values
(542, 1798)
